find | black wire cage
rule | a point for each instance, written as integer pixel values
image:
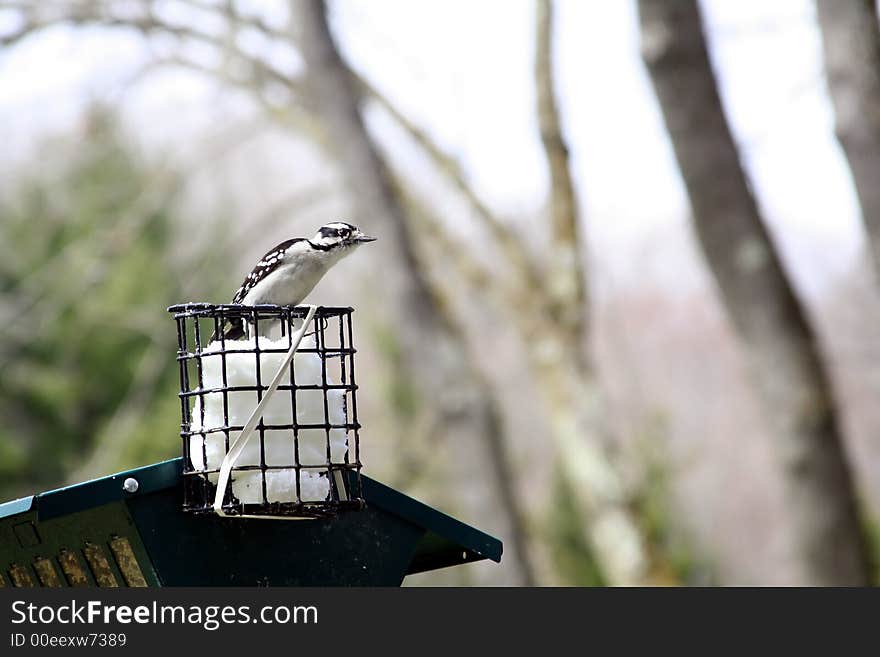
(303, 458)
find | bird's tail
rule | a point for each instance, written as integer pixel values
(233, 329)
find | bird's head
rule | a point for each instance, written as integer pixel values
(339, 236)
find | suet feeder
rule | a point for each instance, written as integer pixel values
(269, 421)
(270, 433)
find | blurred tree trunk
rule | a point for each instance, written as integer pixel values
(432, 349)
(546, 302)
(781, 348)
(851, 39)
(558, 348)
(566, 279)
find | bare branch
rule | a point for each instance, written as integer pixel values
(147, 24)
(290, 113)
(456, 256)
(231, 14)
(511, 245)
(567, 272)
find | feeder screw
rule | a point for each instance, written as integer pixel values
(130, 485)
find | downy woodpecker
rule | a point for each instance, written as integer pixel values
(287, 273)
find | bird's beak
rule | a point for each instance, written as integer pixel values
(360, 237)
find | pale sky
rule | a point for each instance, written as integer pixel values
(463, 70)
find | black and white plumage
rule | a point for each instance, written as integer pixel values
(288, 272)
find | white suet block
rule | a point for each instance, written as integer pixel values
(279, 443)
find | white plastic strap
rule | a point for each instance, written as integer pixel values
(241, 441)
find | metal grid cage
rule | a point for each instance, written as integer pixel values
(303, 457)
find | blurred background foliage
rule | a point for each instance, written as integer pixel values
(85, 385)
(629, 336)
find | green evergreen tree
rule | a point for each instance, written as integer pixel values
(87, 354)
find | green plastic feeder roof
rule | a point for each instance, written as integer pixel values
(128, 529)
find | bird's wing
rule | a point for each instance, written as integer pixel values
(267, 264)
(233, 329)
